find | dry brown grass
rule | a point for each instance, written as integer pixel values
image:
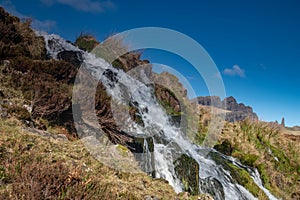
(35, 167)
(17, 38)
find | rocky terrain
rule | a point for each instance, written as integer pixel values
(238, 111)
(38, 133)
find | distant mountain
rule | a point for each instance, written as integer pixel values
(238, 111)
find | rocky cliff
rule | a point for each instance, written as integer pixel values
(238, 111)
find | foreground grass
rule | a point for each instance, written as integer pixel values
(35, 167)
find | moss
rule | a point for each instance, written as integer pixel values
(118, 64)
(187, 169)
(283, 163)
(86, 42)
(224, 147)
(246, 159)
(243, 178)
(122, 149)
(164, 97)
(264, 176)
(168, 108)
(240, 176)
(200, 137)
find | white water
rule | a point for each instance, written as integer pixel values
(169, 142)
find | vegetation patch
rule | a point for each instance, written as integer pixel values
(240, 176)
(265, 146)
(35, 167)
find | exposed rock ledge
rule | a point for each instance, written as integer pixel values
(238, 112)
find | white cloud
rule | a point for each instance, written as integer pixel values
(91, 6)
(45, 25)
(234, 71)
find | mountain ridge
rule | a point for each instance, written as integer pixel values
(239, 111)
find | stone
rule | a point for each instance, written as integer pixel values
(187, 170)
(73, 57)
(3, 112)
(225, 147)
(1, 94)
(213, 187)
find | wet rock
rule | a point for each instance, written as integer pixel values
(225, 148)
(143, 149)
(187, 170)
(213, 187)
(112, 76)
(73, 57)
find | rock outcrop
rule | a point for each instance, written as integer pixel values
(238, 111)
(187, 170)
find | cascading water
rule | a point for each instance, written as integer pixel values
(168, 140)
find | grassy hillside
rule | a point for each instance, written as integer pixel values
(36, 164)
(269, 147)
(40, 154)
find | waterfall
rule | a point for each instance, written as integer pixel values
(168, 140)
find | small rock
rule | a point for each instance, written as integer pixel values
(148, 197)
(6, 63)
(2, 94)
(3, 113)
(205, 197)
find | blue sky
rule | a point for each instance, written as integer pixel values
(255, 44)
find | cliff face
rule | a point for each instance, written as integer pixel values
(238, 112)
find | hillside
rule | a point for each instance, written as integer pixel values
(42, 154)
(37, 164)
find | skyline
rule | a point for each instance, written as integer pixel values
(255, 45)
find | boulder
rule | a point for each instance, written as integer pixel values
(143, 149)
(187, 170)
(225, 148)
(73, 57)
(213, 187)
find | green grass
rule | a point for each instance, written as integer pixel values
(240, 176)
(266, 147)
(86, 42)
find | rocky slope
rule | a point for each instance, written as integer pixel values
(38, 137)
